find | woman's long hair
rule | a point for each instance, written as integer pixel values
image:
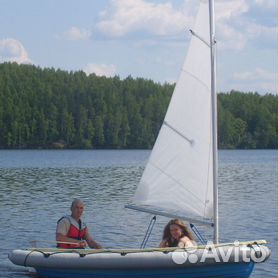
(185, 231)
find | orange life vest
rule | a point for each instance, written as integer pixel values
(77, 231)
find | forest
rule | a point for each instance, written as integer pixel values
(51, 108)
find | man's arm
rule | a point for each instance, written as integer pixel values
(92, 243)
(62, 238)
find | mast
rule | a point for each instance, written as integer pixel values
(214, 121)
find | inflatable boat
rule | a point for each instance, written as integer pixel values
(222, 260)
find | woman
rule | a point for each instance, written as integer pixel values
(176, 234)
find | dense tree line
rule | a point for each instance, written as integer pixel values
(247, 120)
(48, 108)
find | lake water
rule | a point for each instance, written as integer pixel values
(36, 189)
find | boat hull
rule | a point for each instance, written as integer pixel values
(239, 270)
(222, 261)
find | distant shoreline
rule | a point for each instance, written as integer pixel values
(54, 109)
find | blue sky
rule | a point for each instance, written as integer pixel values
(141, 38)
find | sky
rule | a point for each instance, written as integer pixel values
(142, 38)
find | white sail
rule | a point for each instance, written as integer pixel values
(178, 176)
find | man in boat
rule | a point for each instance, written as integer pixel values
(72, 232)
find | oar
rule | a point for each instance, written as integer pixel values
(34, 242)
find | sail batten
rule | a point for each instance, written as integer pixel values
(195, 77)
(191, 141)
(200, 38)
(179, 174)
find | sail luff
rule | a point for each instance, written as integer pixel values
(214, 121)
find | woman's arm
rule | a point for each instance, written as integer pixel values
(163, 244)
(185, 242)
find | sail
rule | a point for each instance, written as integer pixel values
(178, 176)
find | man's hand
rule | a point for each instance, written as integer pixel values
(82, 244)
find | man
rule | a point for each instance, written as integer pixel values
(71, 232)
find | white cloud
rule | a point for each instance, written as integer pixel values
(228, 15)
(257, 74)
(100, 69)
(125, 16)
(257, 79)
(255, 30)
(12, 50)
(234, 29)
(230, 38)
(226, 10)
(76, 34)
(266, 4)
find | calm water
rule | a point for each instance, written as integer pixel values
(36, 188)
